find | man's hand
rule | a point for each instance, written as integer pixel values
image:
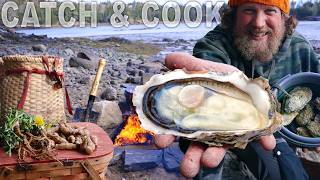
(198, 154)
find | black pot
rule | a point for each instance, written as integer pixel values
(307, 79)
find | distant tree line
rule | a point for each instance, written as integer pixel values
(307, 9)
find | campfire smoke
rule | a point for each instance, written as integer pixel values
(133, 133)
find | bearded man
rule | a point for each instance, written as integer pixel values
(258, 38)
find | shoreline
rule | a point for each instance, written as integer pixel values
(88, 25)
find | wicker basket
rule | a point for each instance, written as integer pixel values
(33, 83)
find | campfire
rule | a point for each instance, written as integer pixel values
(132, 133)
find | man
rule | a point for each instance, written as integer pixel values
(257, 37)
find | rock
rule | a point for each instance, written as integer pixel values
(109, 94)
(123, 75)
(110, 115)
(6, 51)
(137, 80)
(167, 40)
(88, 54)
(84, 80)
(129, 63)
(146, 77)
(181, 41)
(68, 52)
(39, 47)
(85, 63)
(113, 82)
(131, 71)
(151, 67)
(2, 38)
(115, 73)
(140, 73)
(116, 39)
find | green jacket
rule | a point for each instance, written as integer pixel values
(295, 55)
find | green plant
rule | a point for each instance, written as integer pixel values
(14, 118)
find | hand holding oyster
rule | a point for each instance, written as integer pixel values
(198, 154)
(210, 107)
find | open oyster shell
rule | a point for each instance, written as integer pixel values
(213, 108)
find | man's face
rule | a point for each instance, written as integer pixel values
(259, 31)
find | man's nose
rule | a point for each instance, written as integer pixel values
(259, 20)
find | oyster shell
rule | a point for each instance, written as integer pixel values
(213, 108)
(314, 128)
(306, 115)
(299, 98)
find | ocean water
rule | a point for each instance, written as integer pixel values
(310, 29)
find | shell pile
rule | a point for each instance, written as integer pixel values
(304, 110)
(209, 107)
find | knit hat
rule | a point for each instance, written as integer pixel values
(284, 5)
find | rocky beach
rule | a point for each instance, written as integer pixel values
(128, 63)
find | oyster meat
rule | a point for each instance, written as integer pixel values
(213, 108)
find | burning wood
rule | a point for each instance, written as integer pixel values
(133, 133)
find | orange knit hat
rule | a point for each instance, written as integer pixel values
(284, 5)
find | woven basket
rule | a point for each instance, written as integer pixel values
(41, 95)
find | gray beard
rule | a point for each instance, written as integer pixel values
(255, 50)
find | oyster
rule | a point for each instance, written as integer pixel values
(302, 131)
(314, 128)
(305, 115)
(317, 103)
(213, 108)
(299, 97)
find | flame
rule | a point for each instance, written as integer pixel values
(132, 133)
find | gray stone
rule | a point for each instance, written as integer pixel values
(137, 80)
(85, 63)
(84, 80)
(167, 40)
(146, 77)
(2, 38)
(115, 73)
(39, 47)
(131, 71)
(109, 93)
(110, 114)
(88, 54)
(113, 82)
(151, 67)
(129, 63)
(140, 73)
(68, 52)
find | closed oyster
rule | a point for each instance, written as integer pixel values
(317, 103)
(214, 108)
(314, 128)
(305, 115)
(298, 99)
